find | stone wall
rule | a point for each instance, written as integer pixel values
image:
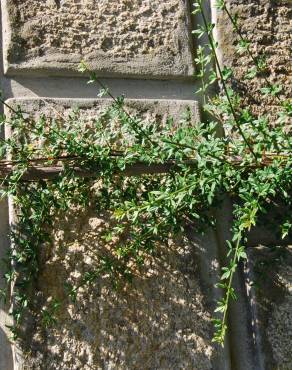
(128, 38)
(143, 49)
(267, 24)
(162, 320)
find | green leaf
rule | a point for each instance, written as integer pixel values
(251, 73)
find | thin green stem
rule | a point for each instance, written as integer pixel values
(162, 197)
(138, 130)
(228, 290)
(213, 48)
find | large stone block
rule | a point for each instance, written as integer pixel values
(146, 38)
(267, 25)
(162, 320)
(270, 287)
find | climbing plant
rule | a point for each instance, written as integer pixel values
(187, 171)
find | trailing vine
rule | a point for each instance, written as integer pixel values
(251, 163)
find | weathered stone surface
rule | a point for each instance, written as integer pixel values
(162, 320)
(130, 38)
(270, 295)
(159, 321)
(267, 25)
(148, 109)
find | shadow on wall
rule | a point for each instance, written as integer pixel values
(160, 321)
(270, 274)
(6, 356)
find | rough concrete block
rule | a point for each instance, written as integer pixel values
(267, 25)
(162, 320)
(270, 292)
(146, 38)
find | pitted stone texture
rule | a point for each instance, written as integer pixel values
(268, 25)
(132, 38)
(271, 299)
(159, 321)
(162, 320)
(153, 110)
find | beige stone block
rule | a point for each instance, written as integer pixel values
(162, 320)
(137, 38)
(267, 26)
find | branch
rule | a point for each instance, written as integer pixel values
(38, 169)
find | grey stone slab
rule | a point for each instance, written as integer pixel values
(239, 323)
(76, 88)
(269, 281)
(144, 38)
